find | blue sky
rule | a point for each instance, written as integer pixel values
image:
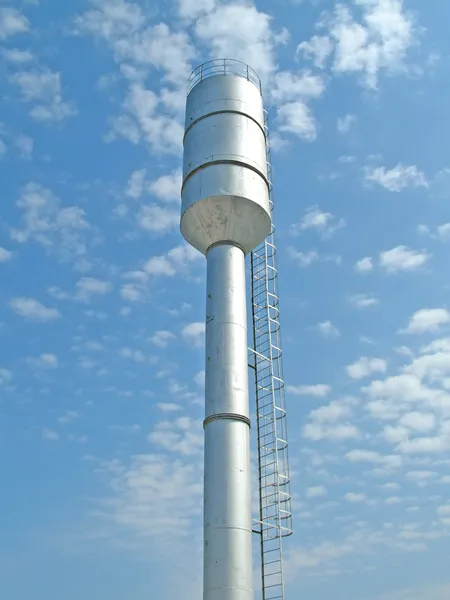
(102, 304)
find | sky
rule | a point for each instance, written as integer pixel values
(102, 303)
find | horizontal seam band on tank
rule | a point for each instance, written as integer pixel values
(227, 417)
(222, 527)
(237, 163)
(225, 243)
(229, 587)
(234, 323)
(223, 112)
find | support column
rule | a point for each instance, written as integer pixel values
(228, 568)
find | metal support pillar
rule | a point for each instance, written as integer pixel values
(227, 502)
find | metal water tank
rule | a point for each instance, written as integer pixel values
(225, 192)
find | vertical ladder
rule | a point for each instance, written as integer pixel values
(275, 518)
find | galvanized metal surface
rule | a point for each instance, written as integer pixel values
(226, 214)
(227, 501)
(225, 192)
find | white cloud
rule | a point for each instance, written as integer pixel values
(363, 300)
(365, 265)
(87, 287)
(163, 133)
(331, 412)
(288, 86)
(444, 510)
(428, 592)
(182, 255)
(68, 417)
(297, 118)
(444, 232)
(398, 394)
(401, 386)
(194, 334)
(425, 445)
(159, 47)
(49, 435)
(355, 498)
(303, 259)
(344, 124)
(183, 436)
(43, 88)
(395, 435)
(318, 48)
(316, 492)
(391, 500)
(402, 258)
(199, 379)
(124, 26)
(423, 229)
(159, 265)
(135, 355)
(338, 432)
(391, 486)
(5, 375)
(141, 48)
(162, 338)
(292, 92)
(167, 187)
(135, 185)
(387, 461)
(192, 9)
(169, 407)
(241, 32)
(379, 43)
(419, 421)
(438, 345)
(158, 219)
(309, 558)
(111, 19)
(44, 361)
(420, 476)
(31, 309)
(428, 320)
(434, 367)
(319, 390)
(5, 255)
(16, 56)
(12, 22)
(153, 493)
(397, 178)
(59, 229)
(318, 220)
(416, 408)
(365, 366)
(327, 329)
(25, 145)
(175, 261)
(331, 422)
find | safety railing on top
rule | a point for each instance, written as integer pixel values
(223, 66)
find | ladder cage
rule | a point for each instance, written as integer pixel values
(275, 517)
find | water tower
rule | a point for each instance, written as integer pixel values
(226, 215)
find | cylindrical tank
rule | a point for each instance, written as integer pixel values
(225, 192)
(225, 214)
